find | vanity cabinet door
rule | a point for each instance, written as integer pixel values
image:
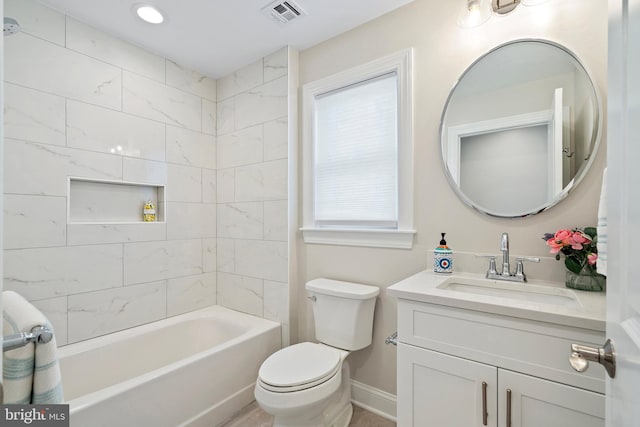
(435, 389)
(536, 402)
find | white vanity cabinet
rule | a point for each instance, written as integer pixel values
(435, 389)
(455, 365)
(538, 402)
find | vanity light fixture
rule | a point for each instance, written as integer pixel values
(477, 12)
(504, 6)
(149, 13)
(474, 13)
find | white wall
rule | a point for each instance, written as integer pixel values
(478, 106)
(253, 185)
(520, 156)
(72, 94)
(442, 52)
(1, 154)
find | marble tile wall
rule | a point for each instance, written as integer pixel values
(252, 189)
(72, 94)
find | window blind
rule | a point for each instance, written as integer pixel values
(356, 155)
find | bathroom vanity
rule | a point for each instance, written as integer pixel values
(478, 352)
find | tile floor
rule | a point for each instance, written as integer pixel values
(252, 416)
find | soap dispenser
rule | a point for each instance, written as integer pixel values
(443, 257)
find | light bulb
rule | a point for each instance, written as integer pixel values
(149, 14)
(474, 13)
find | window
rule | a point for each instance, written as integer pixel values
(358, 166)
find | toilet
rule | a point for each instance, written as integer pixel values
(307, 384)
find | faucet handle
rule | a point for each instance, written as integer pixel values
(492, 262)
(520, 266)
(492, 270)
(528, 258)
(492, 266)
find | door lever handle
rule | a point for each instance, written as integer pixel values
(581, 355)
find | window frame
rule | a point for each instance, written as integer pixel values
(401, 236)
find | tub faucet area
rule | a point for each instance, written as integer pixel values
(505, 273)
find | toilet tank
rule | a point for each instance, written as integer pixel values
(343, 312)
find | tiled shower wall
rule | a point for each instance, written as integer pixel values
(73, 96)
(252, 189)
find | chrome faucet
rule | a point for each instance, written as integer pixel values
(505, 274)
(504, 247)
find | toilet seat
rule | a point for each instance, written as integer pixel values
(299, 367)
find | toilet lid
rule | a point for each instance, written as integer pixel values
(299, 365)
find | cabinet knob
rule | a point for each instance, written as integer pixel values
(581, 355)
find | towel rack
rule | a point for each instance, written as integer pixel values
(392, 339)
(39, 334)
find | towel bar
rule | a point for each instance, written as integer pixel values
(39, 334)
(392, 339)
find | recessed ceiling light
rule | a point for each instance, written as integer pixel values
(149, 14)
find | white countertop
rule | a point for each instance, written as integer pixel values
(588, 313)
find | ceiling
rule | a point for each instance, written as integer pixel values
(217, 37)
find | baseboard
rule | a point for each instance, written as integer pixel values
(374, 400)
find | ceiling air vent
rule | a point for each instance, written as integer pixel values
(284, 11)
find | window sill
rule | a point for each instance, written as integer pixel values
(399, 239)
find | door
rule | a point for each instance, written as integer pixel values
(435, 389)
(623, 208)
(1, 163)
(556, 145)
(534, 402)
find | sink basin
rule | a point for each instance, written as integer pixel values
(525, 292)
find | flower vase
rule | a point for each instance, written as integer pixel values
(586, 281)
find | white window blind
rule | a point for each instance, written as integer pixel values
(356, 155)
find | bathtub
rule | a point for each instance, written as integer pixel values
(195, 369)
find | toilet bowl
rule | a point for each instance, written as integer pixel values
(302, 385)
(307, 384)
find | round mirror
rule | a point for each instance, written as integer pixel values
(520, 128)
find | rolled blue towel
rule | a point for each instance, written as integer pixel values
(31, 374)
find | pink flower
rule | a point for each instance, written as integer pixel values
(561, 239)
(578, 246)
(555, 245)
(563, 236)
(577, 239)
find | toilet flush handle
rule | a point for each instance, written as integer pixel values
(313, 298)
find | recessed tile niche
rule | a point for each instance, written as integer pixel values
(108, 202)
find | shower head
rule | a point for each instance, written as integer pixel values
(11, 26)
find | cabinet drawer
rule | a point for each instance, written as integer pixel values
(535, 348)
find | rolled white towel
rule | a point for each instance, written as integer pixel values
(601, 264)
(31, 374)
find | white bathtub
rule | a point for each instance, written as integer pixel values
(195, 369)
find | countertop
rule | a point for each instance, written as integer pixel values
(588, 313)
